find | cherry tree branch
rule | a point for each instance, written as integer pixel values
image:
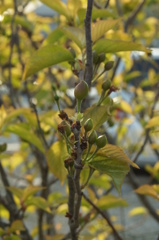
(89, 61)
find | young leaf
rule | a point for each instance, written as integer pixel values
(25, 112)
(45, 57)
(29, 191)
(113, 46)
(55, 158)
(97, 13)
(114, 162)
(148, 190)
(16, 225)
(54, 36)
(110, 201)
(138, 211)
(39, 202)
(98, 114)
(76, 35)
(101, 27)
(19, 20)
(125, 106)
(26, 135)
(153, 122)
(58, 6)
(16, 191)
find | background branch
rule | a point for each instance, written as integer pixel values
(104, 216)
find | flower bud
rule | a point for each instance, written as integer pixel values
(92, 137)
(108, 65)
(88, 125)
(101, 141)
(101, 57)
(95, 57)
(56, 98)
(81, 90)
(106, 84)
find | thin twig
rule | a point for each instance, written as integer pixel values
(115, 68)
(104, 216)
(119, 9)
(89, 62)
(107, 4)
(133, 15)
(39, 126)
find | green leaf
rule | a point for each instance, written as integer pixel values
(101, 27)
(55, 158)
(16, 191)
(129, 76)
(26, 135)
(13, 237)
(19, 20)
(96, 13)
(16, 225)
(58, 6)
(45, 57)
(98, 114)
(113, 46)
(3, 147)
(110, 201)
(54, 36)
(39, 202)
(25, 112)
(29, 191)
(114, 162)
(75, 34)
(1, 231)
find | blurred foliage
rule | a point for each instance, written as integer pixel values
(35, 63)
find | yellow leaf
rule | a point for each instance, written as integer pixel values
(55, 158)
(16, 225)
(138, 211)
(101, 27)
(125, 106)
(153, 122)
(148, 190)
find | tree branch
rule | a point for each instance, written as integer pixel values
(104, 216)
(119, 9)
(133, 15)
(89, 62)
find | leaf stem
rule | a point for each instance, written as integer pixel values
(93, 154)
